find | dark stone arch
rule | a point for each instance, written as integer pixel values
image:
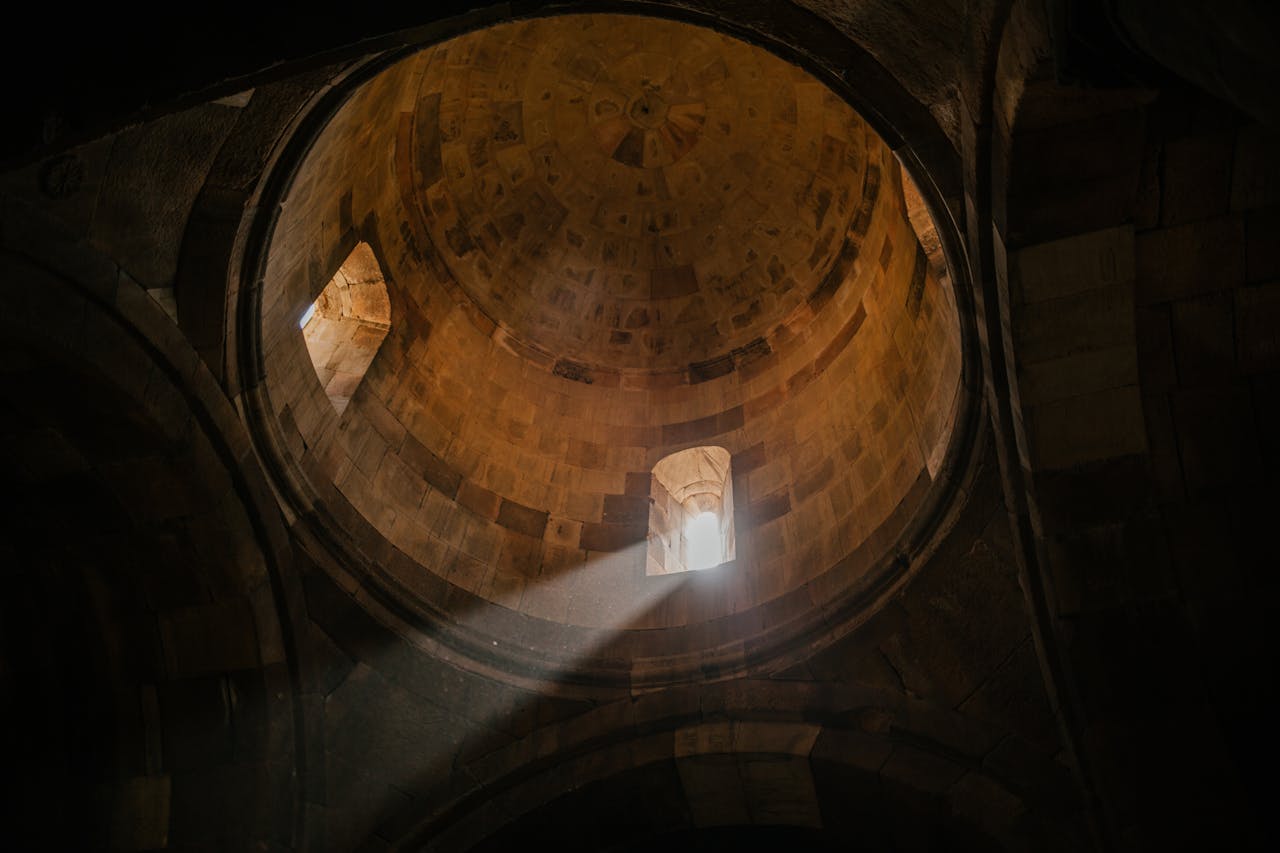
(176, 581)
(1123, 219)
(857, 766)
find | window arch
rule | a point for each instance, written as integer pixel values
(347, 324)
(690, 512)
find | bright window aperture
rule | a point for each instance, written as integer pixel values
(347, 324)
(690, 512)
(704, 545)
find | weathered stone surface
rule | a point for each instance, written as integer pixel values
(1086, 428)
(1257, 328)
(1190, 259)
(147, 192)
(1203, 333)
(1255, 177)
(1217, 436)
(209, 638)
(1196, 179)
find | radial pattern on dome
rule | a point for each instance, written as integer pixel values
(633, 193)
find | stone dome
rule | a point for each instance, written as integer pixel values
(605, 240)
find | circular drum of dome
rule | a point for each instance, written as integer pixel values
(606, 239)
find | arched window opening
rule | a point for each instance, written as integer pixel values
(347, 324)
(690, 512)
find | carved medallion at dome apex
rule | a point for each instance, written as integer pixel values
(633, 193)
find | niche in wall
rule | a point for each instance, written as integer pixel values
(347, 324)
(690, 512)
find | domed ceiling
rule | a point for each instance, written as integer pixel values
(607, 239)
(631, 192)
